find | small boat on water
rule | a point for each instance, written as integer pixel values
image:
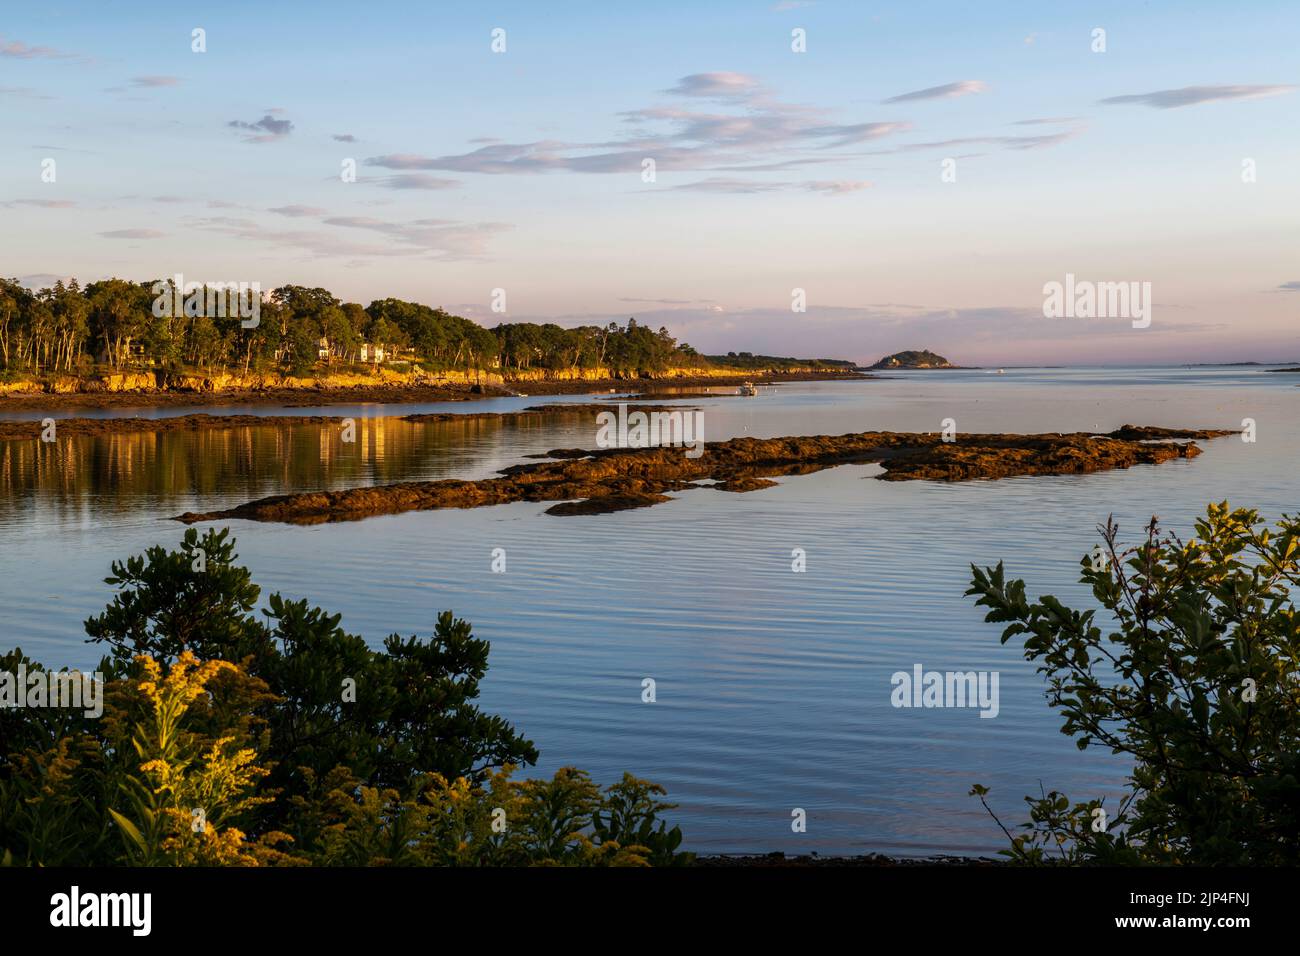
(1002, 371)
(747, 389)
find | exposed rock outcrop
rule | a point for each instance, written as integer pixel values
(616, 479)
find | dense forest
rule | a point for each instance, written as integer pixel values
(114, 324)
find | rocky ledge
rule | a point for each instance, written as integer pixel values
(593, 482)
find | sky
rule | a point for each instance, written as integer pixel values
(920, 171)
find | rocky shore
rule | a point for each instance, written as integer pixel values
(594, 482)
(147, 390)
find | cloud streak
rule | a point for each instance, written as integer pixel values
(154, 82)
(743, 127)
(1195, 95)
(416, 181)
(17, 50)
(297, 212)
(133, 234)
(25, 92)
(722, 184)
(946, 92)
(717, 86)
(42, 203)
(333, 236)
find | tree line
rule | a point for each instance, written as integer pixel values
(74, 329)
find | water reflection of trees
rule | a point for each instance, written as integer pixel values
(151, 471)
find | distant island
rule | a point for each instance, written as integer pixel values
(923, 358)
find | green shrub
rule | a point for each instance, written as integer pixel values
(1194, 680)
(387, 715)
(299, 743)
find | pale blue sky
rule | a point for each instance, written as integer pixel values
(776, 170)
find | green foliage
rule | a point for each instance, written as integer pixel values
(631, 818)
(1195, 681)
(65, 329)
(300, 743)
(194, 598)
(389, 716)
(563, 821)
(48, 797)
(81, 791)
(185, 792)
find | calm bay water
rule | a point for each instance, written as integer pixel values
(773, 687)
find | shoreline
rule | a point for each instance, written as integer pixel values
(314, 396)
